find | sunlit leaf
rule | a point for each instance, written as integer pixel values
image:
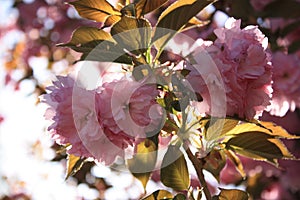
(158, 195)
(132, 34)
(143, 162)
(123, 2)
(232, 194)
(216, 128)
(258, 145)
(175, 17)
(265, 127)
(284, 151)
(95, 10)
(112, 19)
(74, 164)
(193, 23)
(214, 163)
(84, 35)
(97, 45)
(278, 131)
(145, 6)
(128, 10)
(236, 161)
(174, 173)
(102, 51)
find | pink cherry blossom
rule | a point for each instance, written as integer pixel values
(243, 65)
(73, 111)
(101, 123)
(127, 110)
(286, 83)
(60, 99)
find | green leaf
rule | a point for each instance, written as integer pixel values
(132, 34)
(85, 35)
(175, 17)
(232, 194)
(236, 161)
(112, 19)
(258, 145)
(123, 2)
(128, 10)
(277, 131)
(214, 163)
(158, 195)
(265, 127)
(74, 164)
(98, 10)
(216, 127)
(102, 51)
(143, 162)
(97, 45)
(174, 172)
(193, 23)
(145, 6)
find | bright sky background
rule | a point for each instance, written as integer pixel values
(24, 146)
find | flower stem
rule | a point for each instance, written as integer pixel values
(199, 167)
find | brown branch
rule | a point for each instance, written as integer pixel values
(199, 167)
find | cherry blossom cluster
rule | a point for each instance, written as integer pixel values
(244, 65)
(233, 76)
(105, 122)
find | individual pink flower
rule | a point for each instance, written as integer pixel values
(73, 111)
(97, 123)
(235, 68)
(127, 111)
(286, 83)
(61, 98)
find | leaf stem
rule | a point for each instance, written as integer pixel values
(199, 167)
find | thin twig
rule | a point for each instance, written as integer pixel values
(198, 167)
